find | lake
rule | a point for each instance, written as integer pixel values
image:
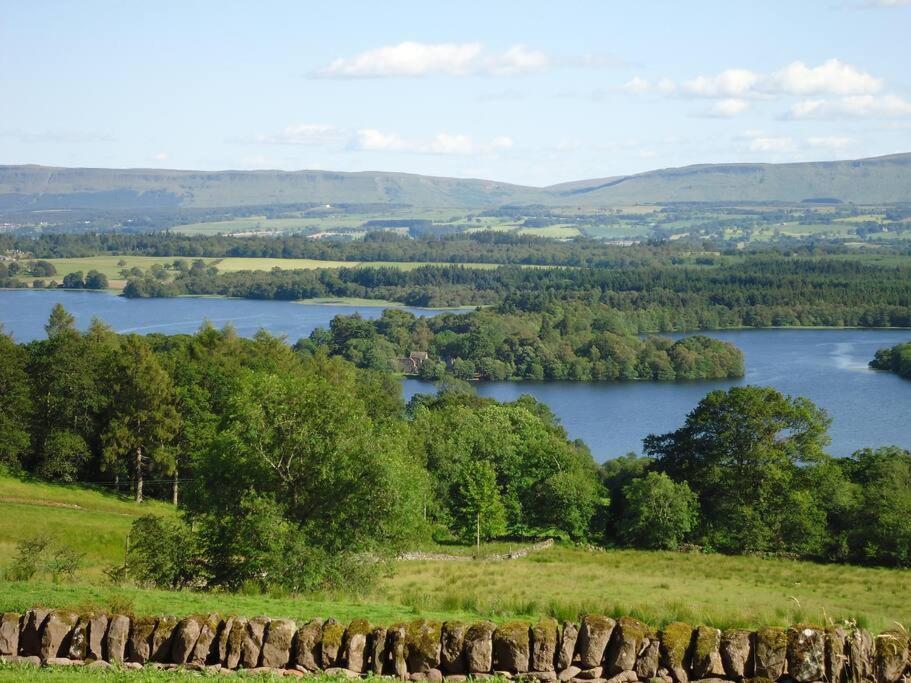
(868, 408)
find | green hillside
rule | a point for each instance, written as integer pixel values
(564, 580)
(865, 181)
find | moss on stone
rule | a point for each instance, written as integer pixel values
(359, 627)
(597, 622)
(707, 642)
(675, 642)
(772, 638)
(332, 634)
(422, 639)
(545, 631)
(480, 631)
(515, 631)
(634, 628)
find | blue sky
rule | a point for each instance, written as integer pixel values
(529, 92)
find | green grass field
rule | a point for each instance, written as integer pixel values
(111, 265)
(563, 581)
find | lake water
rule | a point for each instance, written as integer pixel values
(868, 408)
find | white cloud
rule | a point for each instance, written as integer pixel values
(733, 89)
(637, 85)
(729, 83)
(887, 3)
(728, 108)
(443, 143)
(161, 156)
(411, 59)
(832, 77)
(857, 106)
(373, 140)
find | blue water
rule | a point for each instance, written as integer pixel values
(868, 408)
(24, 313)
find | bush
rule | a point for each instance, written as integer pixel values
(658, 513)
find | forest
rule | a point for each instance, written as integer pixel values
(569, 342)
(896, 359)
(757, 291)
(273, 453)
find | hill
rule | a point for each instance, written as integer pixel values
(863, 181)
(563, 581)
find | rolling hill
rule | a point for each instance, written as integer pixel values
(876, 180)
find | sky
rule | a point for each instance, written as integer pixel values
(529, 92)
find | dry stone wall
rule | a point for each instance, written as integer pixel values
(598, 649)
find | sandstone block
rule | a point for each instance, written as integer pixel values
(479, 647)
(308, 651)
(806, 654)
(55, 635)
(139, 647)
(770, 648)
(676, 650)
(117, 639)
(184, 640)
(452, 655)
(511, 647)
(98, 631)
(594, 635)
(355, 649)
(568, 638)
(544, 642)
(331, 643)
(252, 645)
(279, 638)
(737, 653)
(706, 659)
(624, 647)
(9, 634)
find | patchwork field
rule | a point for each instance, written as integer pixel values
(564, 581)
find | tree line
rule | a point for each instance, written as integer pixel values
(295, 469)
(569, 342)
(757, 291)
(475, 247)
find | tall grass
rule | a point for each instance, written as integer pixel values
(564, 582)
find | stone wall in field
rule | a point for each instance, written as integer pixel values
(597, 649)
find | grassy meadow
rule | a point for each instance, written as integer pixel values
(563, 581)
(111, 265)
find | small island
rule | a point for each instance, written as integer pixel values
(568, 343)
(896, 359)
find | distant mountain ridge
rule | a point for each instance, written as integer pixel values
(876, 180)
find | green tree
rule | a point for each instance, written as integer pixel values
(144, 419)
(96, 280)
(59, 322)
(73, 280)
(741, 451)
(879, 523)
(657, 513)
(479, 511)
(15, 403)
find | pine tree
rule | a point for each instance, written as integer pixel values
(144, 418)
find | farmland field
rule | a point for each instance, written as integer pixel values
(112, 265)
